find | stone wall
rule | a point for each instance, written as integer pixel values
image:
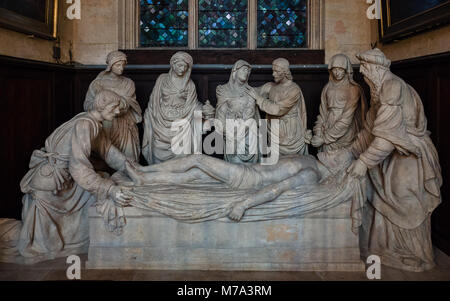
(347, 28)
(96, 34)
(21, 45)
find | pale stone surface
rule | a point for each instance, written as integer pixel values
(310, 227)
(62, 184)
(342, 108)
(347, 28)
(284, 104)
(122, 131)
(171, 126)
(395, 150)
(97, 31)
(153, 241)
(235, 105)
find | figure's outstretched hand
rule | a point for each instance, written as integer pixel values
(120, 195)
(133, 170)
(358, 169)
(317, 141)
(252, 93)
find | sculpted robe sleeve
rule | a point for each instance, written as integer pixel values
(318, 128)
(80, 167)
(340, 127)
(389, 129)
(93, 90)
(131, 103)
(281, 107)
(221, 111)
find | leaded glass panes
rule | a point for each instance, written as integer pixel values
(282, 23)
(164, 23)
(222, 23)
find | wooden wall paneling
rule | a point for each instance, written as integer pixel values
(441, 220)
(27, 117)
(227, 57)
(430, 77)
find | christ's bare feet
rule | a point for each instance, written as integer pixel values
(237, 212)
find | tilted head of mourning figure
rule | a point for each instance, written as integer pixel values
(240, 72)
(180, 63)
(281, 71)
(340, 67)
(374, 65)
(107, 105)
(116, 61)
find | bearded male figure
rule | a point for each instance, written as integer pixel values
(283, 100)
(396, 151)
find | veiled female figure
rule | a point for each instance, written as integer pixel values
(233, 103)
(122, 131)
(173, 101)
(342, 108)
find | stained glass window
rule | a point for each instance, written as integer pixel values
(222, 23)
(164, 23)
(282, 23)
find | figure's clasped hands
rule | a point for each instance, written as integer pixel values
(358, 169)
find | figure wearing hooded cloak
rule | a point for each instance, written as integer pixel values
(234, 104)
(286, 104)
(403, 168)
(342, 108)
(168, 104)
(123, 131)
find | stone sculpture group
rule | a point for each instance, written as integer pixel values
(378, 158)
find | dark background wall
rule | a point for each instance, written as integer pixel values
(37, 97)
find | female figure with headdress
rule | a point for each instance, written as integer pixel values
(173, 102)
(342, 108)
(122, 131)
(236, 106)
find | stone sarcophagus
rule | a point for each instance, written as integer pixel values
(317, 242)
